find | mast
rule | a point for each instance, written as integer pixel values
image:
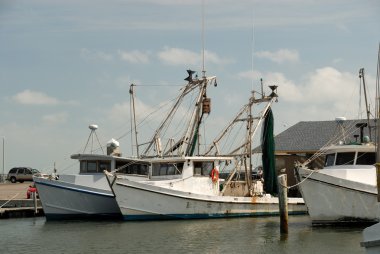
(378, 125)
(361, 75)
(132, 93)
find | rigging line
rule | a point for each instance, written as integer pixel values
(142, 122)
(360, 99)
(334, 139)
(191, 102)
(253, 49)
(157, 85)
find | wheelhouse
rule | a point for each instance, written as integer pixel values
(95, 163)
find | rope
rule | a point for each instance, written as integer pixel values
(351, 129)
(9, 200)
(295, 185)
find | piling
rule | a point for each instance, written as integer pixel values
(283, 202)
(35, 202)
(378, 180)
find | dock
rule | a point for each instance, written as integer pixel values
(14, 203)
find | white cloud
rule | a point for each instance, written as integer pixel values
(287, 90)
(322, 94)
(95, 55)
(177, 56)
(134, 56)
(253, 75)
(57, 118)
(29, 97)
(279, 56)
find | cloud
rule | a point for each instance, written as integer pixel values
(93, 55)
(134, 56)
(29, 97)
(57, 118)
(178, 56)
(280, 56)
(322, 94)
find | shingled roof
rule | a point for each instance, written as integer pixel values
(309, 137)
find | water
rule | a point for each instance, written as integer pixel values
(239, 235)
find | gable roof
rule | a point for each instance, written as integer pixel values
(311, 136)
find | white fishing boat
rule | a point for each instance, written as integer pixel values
(371, 239)
(345, 190)
(189, 188)
(371, 235)
(87, 194)
(183, 185)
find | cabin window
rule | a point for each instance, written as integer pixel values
(203, 168)
(91, 166)
(366, 159)
(104, 165)
(162, 169)
(329, 161)
(83, 167)
(345, 158)
(128, 168)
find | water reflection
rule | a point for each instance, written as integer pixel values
(243, 235)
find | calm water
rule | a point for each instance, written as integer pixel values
(242, 235)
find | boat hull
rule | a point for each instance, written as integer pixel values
(371, 239)
(65, 200)
(139, 201)
(334, 200)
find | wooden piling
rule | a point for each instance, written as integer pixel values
(35, 202)
(283, 202)
(378, 180)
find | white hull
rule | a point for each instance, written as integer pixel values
(371, 239)
(332, 199)
(80, 196)
(139, 201)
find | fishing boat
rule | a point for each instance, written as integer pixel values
(87, 195)
(371, 239)
(184, 184)
(345, 190)
(371, 235)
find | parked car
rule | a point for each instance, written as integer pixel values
(21, 174)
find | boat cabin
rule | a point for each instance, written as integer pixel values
(174, 167)
(97, 163)
(195, 174)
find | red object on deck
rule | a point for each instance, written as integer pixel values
(30, 191)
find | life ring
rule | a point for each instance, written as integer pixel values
(214, 175)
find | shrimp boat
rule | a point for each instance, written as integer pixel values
(345, 190)
(87, 195)
(186, 185)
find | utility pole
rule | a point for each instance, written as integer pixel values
(3, 178)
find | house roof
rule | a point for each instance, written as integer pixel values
(311, 136)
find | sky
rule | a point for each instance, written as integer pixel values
(67, 64)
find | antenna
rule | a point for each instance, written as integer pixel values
(93, 128)
(203, 40)
(253, 49)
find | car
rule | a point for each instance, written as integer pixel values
(21, 174)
